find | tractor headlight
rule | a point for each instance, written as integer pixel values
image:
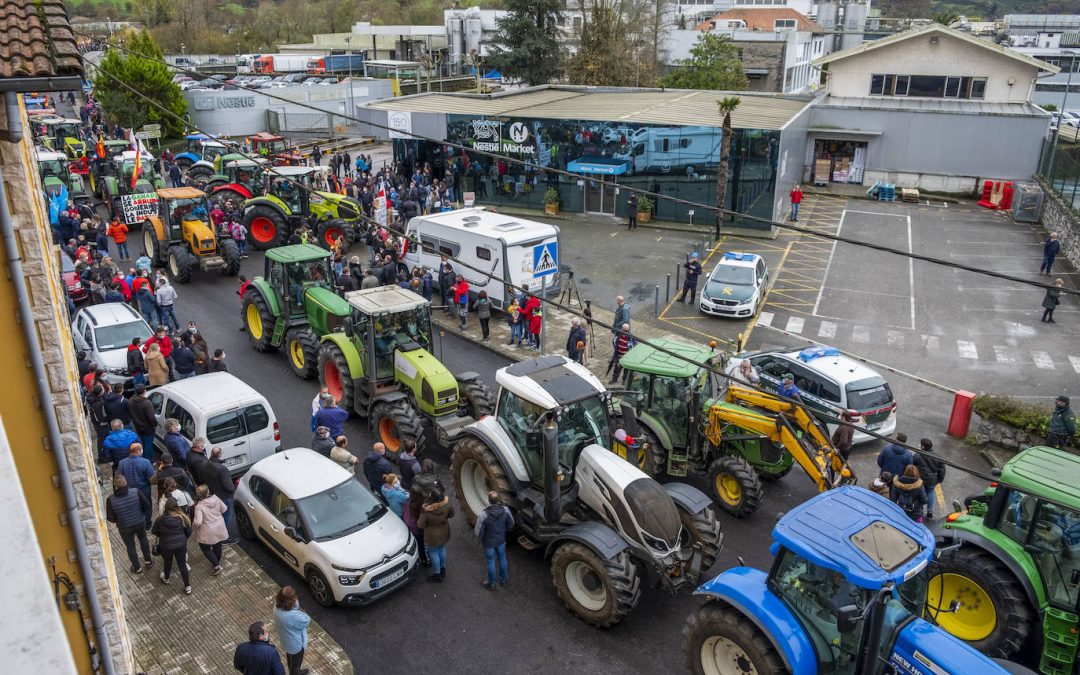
(206, 243)
(658, 545)
(445, 400)
(316, 199)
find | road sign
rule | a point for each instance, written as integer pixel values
(545, 259)
(149, 131)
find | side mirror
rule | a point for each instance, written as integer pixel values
(847, 618)
(291, 533)
(347, 324)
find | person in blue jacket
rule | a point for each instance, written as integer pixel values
(331, 416)
(138, 471)
(787, 388)
(394, 494)
(117, 444)
(292, 628)
(175, 443)
(257, 656)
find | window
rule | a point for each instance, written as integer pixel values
(978, 87)
(1016, 518)
(877, 85)
(255, 418)
(449, 249)
(284, 510)
(428, 245)
(187, 422)
(156, 399)
(903, 83)
(784, 24)
(262, 489)
(224, 427)
(483, 253)
(952, 87)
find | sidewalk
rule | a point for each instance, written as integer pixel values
(176, 633)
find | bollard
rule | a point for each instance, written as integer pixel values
(678, 274)
(960, 417)
(656, 301)
(667, 291)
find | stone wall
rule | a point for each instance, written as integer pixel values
(1058, 217)
(1004, 435)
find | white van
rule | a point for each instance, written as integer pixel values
(519, 251)
(225, 411)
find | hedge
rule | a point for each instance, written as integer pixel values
(1016, 413)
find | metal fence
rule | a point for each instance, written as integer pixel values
(324, 124)
(1060, 166)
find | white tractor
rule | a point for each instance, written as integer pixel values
(607, 526)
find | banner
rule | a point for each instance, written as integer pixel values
(137, 208)
(380, 207)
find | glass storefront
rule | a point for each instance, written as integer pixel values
(674, 161)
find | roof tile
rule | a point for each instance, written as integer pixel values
(36, 40)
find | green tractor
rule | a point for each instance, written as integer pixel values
(235, 178)
(1011, 564)
(64, 135)
(693, 421)
(272, 217)
(116, 180)
(56, 173)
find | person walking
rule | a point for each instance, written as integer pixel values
(291, 623)
(99, 418)
(1062, 425)
(693, 272)
(483, 314)
(460, 290)
(1051, 247)
(117, 445)
(168, 469)
(491, 527)
(536, 326)
(209, 525)
(118, 232)
(446, 284)
(316, 154)
(157, 369)
(622, 314)
(434, 521)
(894, 457)
(796, 196)
(257, 656)
(144, 419)
(173, 528)
(139, 472)
(167, 489)
(166, 300)
(1051, 300)
(575, 342)
(129, 509)
(909, 494)
(376, 466)
(631, 211)
(932, 472)
(844, 436)
(621, 343)
(394, 495)
(215, 475)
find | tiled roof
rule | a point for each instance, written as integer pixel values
(36, 40)
(762, 19)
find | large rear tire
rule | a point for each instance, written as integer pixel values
(704, 530)
(180, 264)
(302, 352)
(476, 471)
(734, 485)
(258, 321)
(225, 194)
(328, 233)
(150, 244)
(719, 640)
(200, 172)
(266, 227)
(599, 592)
(230, 253)
(334, 374)
(993, 615)
(477, 397)
(395, 423)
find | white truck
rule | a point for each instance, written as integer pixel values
(674, 149)
(519, 251)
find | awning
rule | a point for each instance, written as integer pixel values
(601, 165)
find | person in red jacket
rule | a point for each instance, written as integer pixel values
(461, 298)
(796, 199)
(536, 324)
(532, 304)
(160, 338)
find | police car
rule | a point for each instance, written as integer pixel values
(735, 286)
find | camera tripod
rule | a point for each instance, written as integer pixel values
(570, 290)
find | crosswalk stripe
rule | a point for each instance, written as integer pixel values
(860, 334)
(932, 343)
(967, 349)
(1075, 361)
(895, 338)
(827, 329)
(765, 319)
(1043, 360)
(795, 324)
(1003, 355)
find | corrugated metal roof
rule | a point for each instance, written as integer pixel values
(644, 106)
(939, 105)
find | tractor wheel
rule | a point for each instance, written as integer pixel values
(477, 471)
(993, 616)
(718, 639)
(599, 592)
(266, 227)
(652, 455)
(150, 242)
(734, 485)
(478, 399)
(397, 422)
(703, 529)
(328, 233)
(302, 349)
(335, 375)
(184, 163)
(230, 252)
(180, 263)
(258, 321)
(203, 173)
(228, 193)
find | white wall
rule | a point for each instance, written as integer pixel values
(951, 56)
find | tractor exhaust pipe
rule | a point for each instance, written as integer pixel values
(552, 474)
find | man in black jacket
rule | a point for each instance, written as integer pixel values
(184, 361)
(215, 475)
(129, 509)
(116, 406)
(257, 655)
(196, 457)
(142, 416)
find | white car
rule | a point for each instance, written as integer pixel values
(327, 526)
(736, 285)
(104, 332)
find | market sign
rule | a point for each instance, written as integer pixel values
(487, 136)
(137, 208)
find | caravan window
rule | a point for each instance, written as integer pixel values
(428, 245)
(483, 253)
(449, 248)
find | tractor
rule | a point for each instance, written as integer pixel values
(200, 147)
(276, 149)
(64, 135)
(693, 421)
(844, 595)
(56, 173)
(235, 178)
(1011, 560)
(292, 199)
(116, 181)
(181, 237)
(608, 528)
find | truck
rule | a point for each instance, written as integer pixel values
(521, 252)
(845, 594)
(342, 64)
(244, 63)
(282, 63)
(673, 149)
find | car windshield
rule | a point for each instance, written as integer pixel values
(340, 511)
(732, 276)
(869, 394)
(120, 335)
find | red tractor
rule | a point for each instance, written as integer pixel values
(276, 149)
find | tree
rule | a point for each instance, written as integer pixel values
(727, 105)
(526, 45)
(713, 64)
(611, 45)
(142, 68)
(945, 18)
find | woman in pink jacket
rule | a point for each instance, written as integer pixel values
(209, 522)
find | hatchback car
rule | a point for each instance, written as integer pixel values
(74, 285)
(830, 383)
(736, 285)
(104, 333)
(327, 526)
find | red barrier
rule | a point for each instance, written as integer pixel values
(960, 417)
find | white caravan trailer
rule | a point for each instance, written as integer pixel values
(674, 149)
(519, 251)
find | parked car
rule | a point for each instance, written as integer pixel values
(736, 285)
(71, 279)
(184, 62)
(327, 526)
(104, 332)
(224, 410)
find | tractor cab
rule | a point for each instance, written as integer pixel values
(148, 179)
(386, 321)
(115, 148)
(244, 172)
(291, 185)
(293, 271)
(53, 168)
(275, 148)
(181, 237)
(65, 135)
(200, 147)
(182, 209)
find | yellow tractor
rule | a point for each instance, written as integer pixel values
(180, 236)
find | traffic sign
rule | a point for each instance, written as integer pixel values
(545, 259)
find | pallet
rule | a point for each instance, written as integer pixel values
(909, 195)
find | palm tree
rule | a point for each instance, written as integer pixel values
(945, 18)
(726, 105)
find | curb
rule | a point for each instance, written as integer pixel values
(705, 230)
(497, 348)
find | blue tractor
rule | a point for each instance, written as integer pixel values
(845, 595)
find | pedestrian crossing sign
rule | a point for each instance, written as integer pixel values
(545, 259)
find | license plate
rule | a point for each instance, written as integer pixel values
(235, 461)
(874, 427)
(390, 579)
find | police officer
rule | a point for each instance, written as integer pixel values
(693, 271)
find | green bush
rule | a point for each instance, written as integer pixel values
(1026, 416)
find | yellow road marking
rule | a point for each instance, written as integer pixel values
(753, 321)
(704, 265)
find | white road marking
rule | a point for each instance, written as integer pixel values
(795, 324)
(1043, 360)
(827, 329)
(967, 349)
(911, 271)
(895, 338)
(932, 343)
(832, 252)
(1075, 361)
(765, 319)
(1003, 354)
(860, 334)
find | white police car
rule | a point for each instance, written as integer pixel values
(735, 286)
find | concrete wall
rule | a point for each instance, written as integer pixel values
(430, 125)
(938, 151)
(790, 163)
(1058, 217)
(951, 56)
